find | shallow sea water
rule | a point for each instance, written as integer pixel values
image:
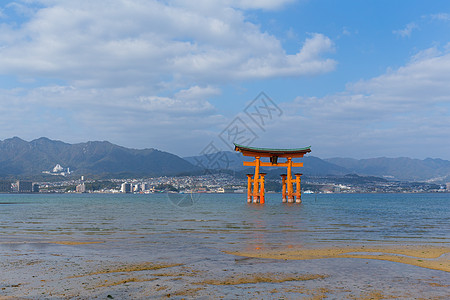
(42, 254)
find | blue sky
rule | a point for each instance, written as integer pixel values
(354, 79)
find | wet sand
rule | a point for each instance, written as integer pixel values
(74, 242)
(52, 270)
(436, 258)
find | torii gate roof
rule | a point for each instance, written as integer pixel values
(270, 152)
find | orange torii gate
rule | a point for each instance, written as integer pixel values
(257, 182)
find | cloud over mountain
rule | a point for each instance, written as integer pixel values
(107, 68)
(177, 73)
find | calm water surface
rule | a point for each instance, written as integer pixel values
(226, 220)
(195, 231)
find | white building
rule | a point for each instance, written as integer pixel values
(125, 187)
(58, 169)
(81, 188)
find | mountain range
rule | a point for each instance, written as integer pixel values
(402, 168)
(19, 158)
(22, 158)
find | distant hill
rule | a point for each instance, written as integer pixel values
(22, 158)
(402, 168)
(407, 169)
(19, 158)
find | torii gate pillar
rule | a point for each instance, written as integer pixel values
(249, 188)
(298, 193)
(283, 188)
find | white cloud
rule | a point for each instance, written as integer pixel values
(406, 110)
(24, 9)
(196, 92)
(346, 32)
(406, 32)
(99, 43)
(306, 61)
(187, 101)
(76, 115)
(211, 6)
(440, 17)
(423, 81)
(260, 4)
(124, 70)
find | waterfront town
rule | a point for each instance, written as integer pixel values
(219, 183)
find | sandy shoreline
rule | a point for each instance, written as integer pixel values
(431, 257)
(51, 270)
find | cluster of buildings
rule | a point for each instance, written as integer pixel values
(219, 183)
(134, 188)
(19, 186)
(366, 184)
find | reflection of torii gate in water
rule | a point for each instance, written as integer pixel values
(257, 182)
